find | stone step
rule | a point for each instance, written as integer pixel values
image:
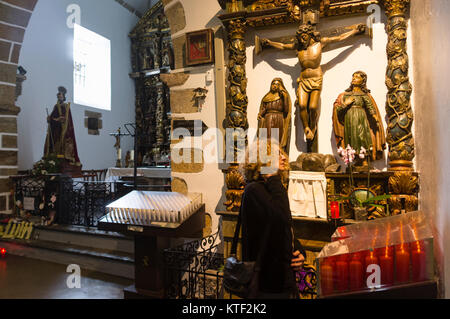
(85, 236)
(92, 249)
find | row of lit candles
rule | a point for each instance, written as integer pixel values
(398, 263)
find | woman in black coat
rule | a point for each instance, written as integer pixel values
(265, 203)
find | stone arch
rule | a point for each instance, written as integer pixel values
(14, 18)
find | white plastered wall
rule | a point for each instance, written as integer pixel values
(210, 182)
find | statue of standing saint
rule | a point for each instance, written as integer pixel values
(357, 121)
(309, 46)
(60, 141)
(275, 113)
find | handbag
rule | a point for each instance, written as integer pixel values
(241, 278)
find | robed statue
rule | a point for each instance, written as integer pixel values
(276, 113)
(357, 121)
(60, 141)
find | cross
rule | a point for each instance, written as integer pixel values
(118, 135)
(309, 45)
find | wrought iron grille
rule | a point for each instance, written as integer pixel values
(83, 203)
(33, 194)
(76, 203)
(194, 270)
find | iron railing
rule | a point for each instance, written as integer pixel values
(76, 203)
(194, 270)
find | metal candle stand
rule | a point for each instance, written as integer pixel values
(149, 218)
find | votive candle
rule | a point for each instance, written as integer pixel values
(402, 262)
(356, 272)
(371, 259)
(419, 261)
(326, 277)
(342, 271)
(386, 262)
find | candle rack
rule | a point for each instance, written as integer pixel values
(377, 255)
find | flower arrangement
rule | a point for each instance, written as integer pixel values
(349, 157)
(46, 166)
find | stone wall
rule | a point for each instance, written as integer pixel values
(14, 18)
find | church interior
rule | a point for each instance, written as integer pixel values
(124, 126)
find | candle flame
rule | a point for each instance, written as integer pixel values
(416, 238)
(388, 233)
(374, 242)
(402, 248)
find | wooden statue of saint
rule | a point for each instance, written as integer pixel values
(60, 141)
(357, 121)
(276, 113)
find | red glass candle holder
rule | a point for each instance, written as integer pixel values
(335, 210)
(326, 276)
(402, 263)
(342, 273)
(419, 261)
(356, 272)
(386, 262)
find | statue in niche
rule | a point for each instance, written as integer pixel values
(163, 22)
(275, 113)
(167, 55)
(146, 59)
(357, 121)
(154, 52)
(309, 46)
(60, 141)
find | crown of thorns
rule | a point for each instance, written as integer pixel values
(305, 28)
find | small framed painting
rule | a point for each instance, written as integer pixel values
(199, 47)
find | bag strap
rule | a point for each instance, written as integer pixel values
(233, 251)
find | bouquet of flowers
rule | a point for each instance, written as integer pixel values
(349, 157)
(46, 166)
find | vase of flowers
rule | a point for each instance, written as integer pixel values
(361, 199)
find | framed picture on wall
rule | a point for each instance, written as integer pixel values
(200, 47)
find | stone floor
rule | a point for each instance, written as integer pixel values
(23, 278)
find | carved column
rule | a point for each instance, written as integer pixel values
(398, 104)
(237, 102)
(403, 187)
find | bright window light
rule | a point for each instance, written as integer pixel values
(92, 69)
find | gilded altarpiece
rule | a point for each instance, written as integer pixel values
(152, 54)
(244, 14)
(400, 181)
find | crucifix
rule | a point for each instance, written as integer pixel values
(309, 44)
(117, 146)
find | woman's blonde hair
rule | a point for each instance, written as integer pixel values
(255, 160)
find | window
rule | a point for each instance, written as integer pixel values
(92, 69)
